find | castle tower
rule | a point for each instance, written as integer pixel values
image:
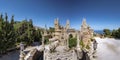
(57, 29)
(67, 24)
(78, 40)
(56, 23)
(45, 31)
(85, 33)
(84, 24)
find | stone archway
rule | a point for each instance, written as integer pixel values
(70, 35)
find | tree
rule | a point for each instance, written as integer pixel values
(72, 42)
(107, 32)
(114, 33)
(51, 29)
(118, 33)
(12, 32)
(7, 34)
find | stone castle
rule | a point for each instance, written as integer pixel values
(85, 33)
(60, 42)
(61, 32)
(58, 48)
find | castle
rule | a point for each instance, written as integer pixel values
(60, 42)
(61, 32)
(58, 48)
(85, 32)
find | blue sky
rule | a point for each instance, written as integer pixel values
(99, 14)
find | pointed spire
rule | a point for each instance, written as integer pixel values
(68, 21)
(67, 24)
(56, 20)
(45, 27)
(84, 24)
(56, 24)
(45, 31)
(78, 40)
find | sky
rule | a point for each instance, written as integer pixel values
(99, 14)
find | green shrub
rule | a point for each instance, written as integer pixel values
(87, 47)
(46, 40)
(72, 42)
(81, 43)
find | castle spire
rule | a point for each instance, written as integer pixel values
(56, 24)
(67, 24)
(84, 24)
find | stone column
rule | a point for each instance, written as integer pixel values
(78, 40)
(43, 40)
(21, 51)
(67, 40)
(21, 55)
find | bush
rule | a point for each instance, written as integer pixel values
(81, 43)
(72, 42)
(46, 40)
(107, 32)
(87, 47)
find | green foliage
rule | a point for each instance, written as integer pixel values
(51, 29)
(82, 44)
(107, 33)
(13, 32)
(116, 33)
(46, 40)
(70, 36)
(72, 42)
(113, 33)
(7, 34)
(87, 47)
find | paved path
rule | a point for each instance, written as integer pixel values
(14, 55)
(108, 49)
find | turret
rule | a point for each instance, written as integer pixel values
(67, 24)
(56, 24)
(84, 24)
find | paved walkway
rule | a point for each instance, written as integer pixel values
(108, 49)
(14, 55)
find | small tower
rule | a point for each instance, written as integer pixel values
(43, 38)
(86, 34)
(67, 24)
(78, 40)
(45, 30)
(56, 23)
(84, 24)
